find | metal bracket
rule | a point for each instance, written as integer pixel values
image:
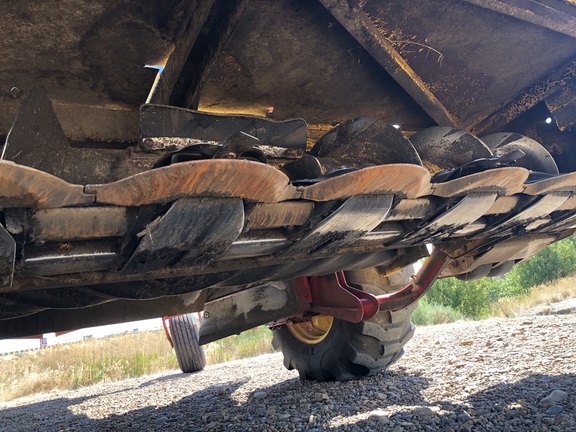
(331, 295)
(418, 286)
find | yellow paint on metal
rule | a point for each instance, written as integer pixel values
(312, 332)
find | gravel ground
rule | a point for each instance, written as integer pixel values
(494, 375)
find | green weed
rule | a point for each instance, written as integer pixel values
(430, 314)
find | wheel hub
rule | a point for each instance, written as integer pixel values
(314, 331)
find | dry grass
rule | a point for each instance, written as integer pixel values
(110, 359)
(83, 363)
(247, 344)
(559, 290)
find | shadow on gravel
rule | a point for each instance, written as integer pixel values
(515, 406)
(289, 405)
(176, 376)
(184, 414)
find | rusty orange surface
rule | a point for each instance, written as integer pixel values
(564, 182)
(207, 178)
(569, 204)
(506, 181)
(22, 186)
(279, 215)
(504, 204)
(411, 181)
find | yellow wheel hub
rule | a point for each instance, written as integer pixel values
(314, 331)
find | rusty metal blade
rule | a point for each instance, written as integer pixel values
(505, 181)
(21, 186)
(538, 209)
(356, 217)
(169, 121)
(411, 181)
(458, 216)
(192, 232)
(207, 178)
(564, 182)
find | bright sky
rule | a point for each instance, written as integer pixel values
(11, 345)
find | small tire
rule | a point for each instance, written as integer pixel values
(351, 350)
(189, 353)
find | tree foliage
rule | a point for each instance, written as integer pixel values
(473, 299)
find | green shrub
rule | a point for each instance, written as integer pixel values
(554, 262)
(474, 299)
(430, 313)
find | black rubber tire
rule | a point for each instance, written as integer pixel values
(189, 353)
(352, 350)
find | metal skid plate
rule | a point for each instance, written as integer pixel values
(247, 309)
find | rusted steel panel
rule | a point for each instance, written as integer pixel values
(411, 181)
(559, 80)
(81, 223)
(294, 57)
(382, 49)
(85, 52)
(218, 26)
(533, 12)
(190, 25)
(278, 215)
(506, 181)
(474, 60)
(209, 178)
(22, 186)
